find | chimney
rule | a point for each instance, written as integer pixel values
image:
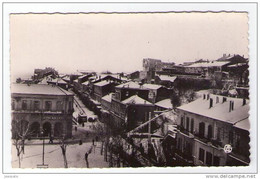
(224, 99)
(210, 103)
(230, 106)
(204, 96)
(217, 99)
(244, 101)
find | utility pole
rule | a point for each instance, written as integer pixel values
(43, 145)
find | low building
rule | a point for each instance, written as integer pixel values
(42, 109)
(207, 125)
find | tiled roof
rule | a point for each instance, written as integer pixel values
(42, 89)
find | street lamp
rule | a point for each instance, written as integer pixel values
(43, 143)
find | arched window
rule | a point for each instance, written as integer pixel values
(46, 129)
(35, 129)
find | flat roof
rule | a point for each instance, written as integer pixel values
(41, 89)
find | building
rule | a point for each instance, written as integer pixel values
(42, 109)
(149, 92)
(209, 123)
(150, 66)
(130, 113)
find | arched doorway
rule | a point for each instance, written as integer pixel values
(46, 129)
(58, 129)
(35, 129)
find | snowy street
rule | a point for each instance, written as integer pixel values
(54, 159)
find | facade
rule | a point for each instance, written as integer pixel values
(43, 109)
(206, 125)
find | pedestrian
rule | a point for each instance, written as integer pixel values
(93, 141)
(96, 138)
(51, 140)
(86, 159)
(80, 142)
(83, 124)
(76, 128)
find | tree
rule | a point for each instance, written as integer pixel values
(21, 133)
(63, 147)
(175, 98)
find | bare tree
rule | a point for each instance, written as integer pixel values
(63, 147)
(21, 132)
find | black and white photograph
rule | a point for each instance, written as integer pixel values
(130, 89)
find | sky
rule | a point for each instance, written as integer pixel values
(119, 42)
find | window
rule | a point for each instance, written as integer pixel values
(216, 161)
(182, 121)
(218, 133)
(209, 132)
(201, 155)
(208, 158)
(59, 105)
(187, 123)
(230, 137)
(24, 105)
(48, 105)
(13, 105)
(36, 105)
(192, 126)
(202, 129)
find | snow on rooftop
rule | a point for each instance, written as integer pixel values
(132, 85)
(136, 100)
(220, 110)
(102, 83)
(243, 124)
(209, 64)
(151, 86)
(167, 78)
(57, 80)
(42, 89)
(86, 83)
(166, 103)
(108, 97)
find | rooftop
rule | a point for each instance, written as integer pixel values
(209, 64)
(166, 103)
(41, 89)
(108, 97)
(151, 86)
(102, 83)
(132, 85)
(136, 100)
(220, 110)
(167, 78)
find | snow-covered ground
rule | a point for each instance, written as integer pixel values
(75, 152)
(54, 159)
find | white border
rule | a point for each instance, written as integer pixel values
(130, 7)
